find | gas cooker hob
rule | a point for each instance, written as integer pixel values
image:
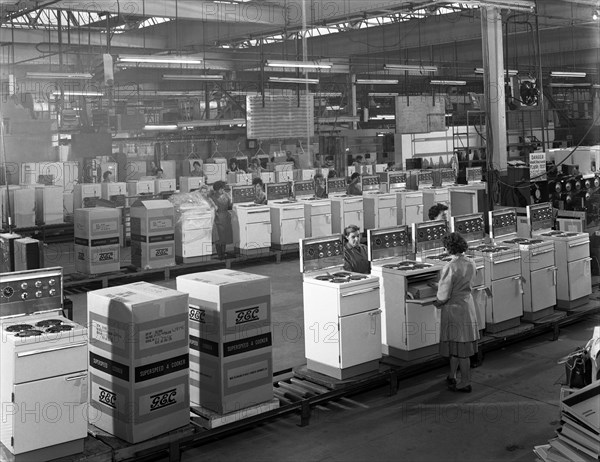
(442, 257)
(341, 277)
(250, 205)
(524, 241)
(490, 248)
(560, 234)
(408, 265)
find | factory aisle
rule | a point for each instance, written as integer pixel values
(513, 407)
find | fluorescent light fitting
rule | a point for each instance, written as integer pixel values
(159, 59)
(211, 123)
(383, 117)
(567, 74)
(376, 81)
(77, 93)
(410, 67)
(59, 75)
(160, 127)
(383, 94)
(448, 82)
(511, 72)
(299, 64)
(570, 85)
(293, 80)
(192, 77)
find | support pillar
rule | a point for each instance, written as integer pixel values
(493, 81)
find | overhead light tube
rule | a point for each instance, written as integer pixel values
(448, 82)
(299, 64)
(192, 77)
(567, 74)
(159, 59)
(58, 75)
(376, 81)
(410, 67)
(293, 80)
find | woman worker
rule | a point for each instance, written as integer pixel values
(459, 331)
(356, 258)
(222, 223)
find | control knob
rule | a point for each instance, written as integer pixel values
(24, 285)
(38, 284)
(24, 295)
(52, 292)
(38, 294)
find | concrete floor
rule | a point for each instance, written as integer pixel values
(513, 407)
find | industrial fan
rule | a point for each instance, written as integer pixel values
(528, 92)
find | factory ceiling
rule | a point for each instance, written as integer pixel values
(235, 37)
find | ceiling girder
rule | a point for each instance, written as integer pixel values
(198, 10)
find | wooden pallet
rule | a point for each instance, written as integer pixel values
(210, 419)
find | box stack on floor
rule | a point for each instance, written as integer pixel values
(139, 374)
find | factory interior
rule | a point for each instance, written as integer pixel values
(284, 230)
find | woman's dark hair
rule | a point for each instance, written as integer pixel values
(354, 176)
(106, 174)
(455, 243)
(436, 209)
(196, 163)
(218, 185)
(256, 181)
(350, 229)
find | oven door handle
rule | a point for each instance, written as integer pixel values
(76, 377)
(505, 261)
(578, 244)
(48, 350)
(554, 269)
(413, 196)
(535, 254)
(287, 209)
(358, 292)
(519, 279)
(257, 211)
(354, 201)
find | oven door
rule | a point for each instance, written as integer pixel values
(543, 288)
(258, 235)
(412, 214)
(541, 258)
(320, 225)
(354, 300)
(578, 249)
(360, 338)
(507, 300)
(506, 266)
(387, 215)
(580, 278)
(49, 412)
(291, 231)
(422, 327)
(353, 217)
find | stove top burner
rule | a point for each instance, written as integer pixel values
(28, 333)
(48, 323)
(59, 328)
(408, 265)
(341, 277)
(18, 327)
(443, 257)
(559, 234)
(490, 248)
(523, 241)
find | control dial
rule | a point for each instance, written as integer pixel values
(8, 292)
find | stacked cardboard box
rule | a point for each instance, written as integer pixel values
(152, 234)
(231, 365)
(97, 231)
(28, 254)
(139, 360)
(7, 252)
(49, 205)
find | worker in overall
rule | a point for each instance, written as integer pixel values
(356, 257)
